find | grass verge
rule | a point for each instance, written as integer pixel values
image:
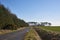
(9, 31)
(32, 35)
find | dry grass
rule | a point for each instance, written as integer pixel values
(32, 35)
(5, 31)
(9, 31)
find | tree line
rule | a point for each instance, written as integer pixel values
(9, 20)
(39, 24)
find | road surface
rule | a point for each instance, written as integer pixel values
(18, 35)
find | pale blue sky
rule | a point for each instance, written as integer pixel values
(35, 10)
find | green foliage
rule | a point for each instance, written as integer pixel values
(10, 26)
(9, 20)
(45, 24)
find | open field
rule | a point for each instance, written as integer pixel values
(51, 28)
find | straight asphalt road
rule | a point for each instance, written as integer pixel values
(18, 35)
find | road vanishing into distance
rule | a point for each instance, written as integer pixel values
(18, 35)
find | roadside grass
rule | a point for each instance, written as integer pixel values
(9, 31)
(4, 31)
(32, 35)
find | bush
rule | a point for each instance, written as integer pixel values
(10, 27)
